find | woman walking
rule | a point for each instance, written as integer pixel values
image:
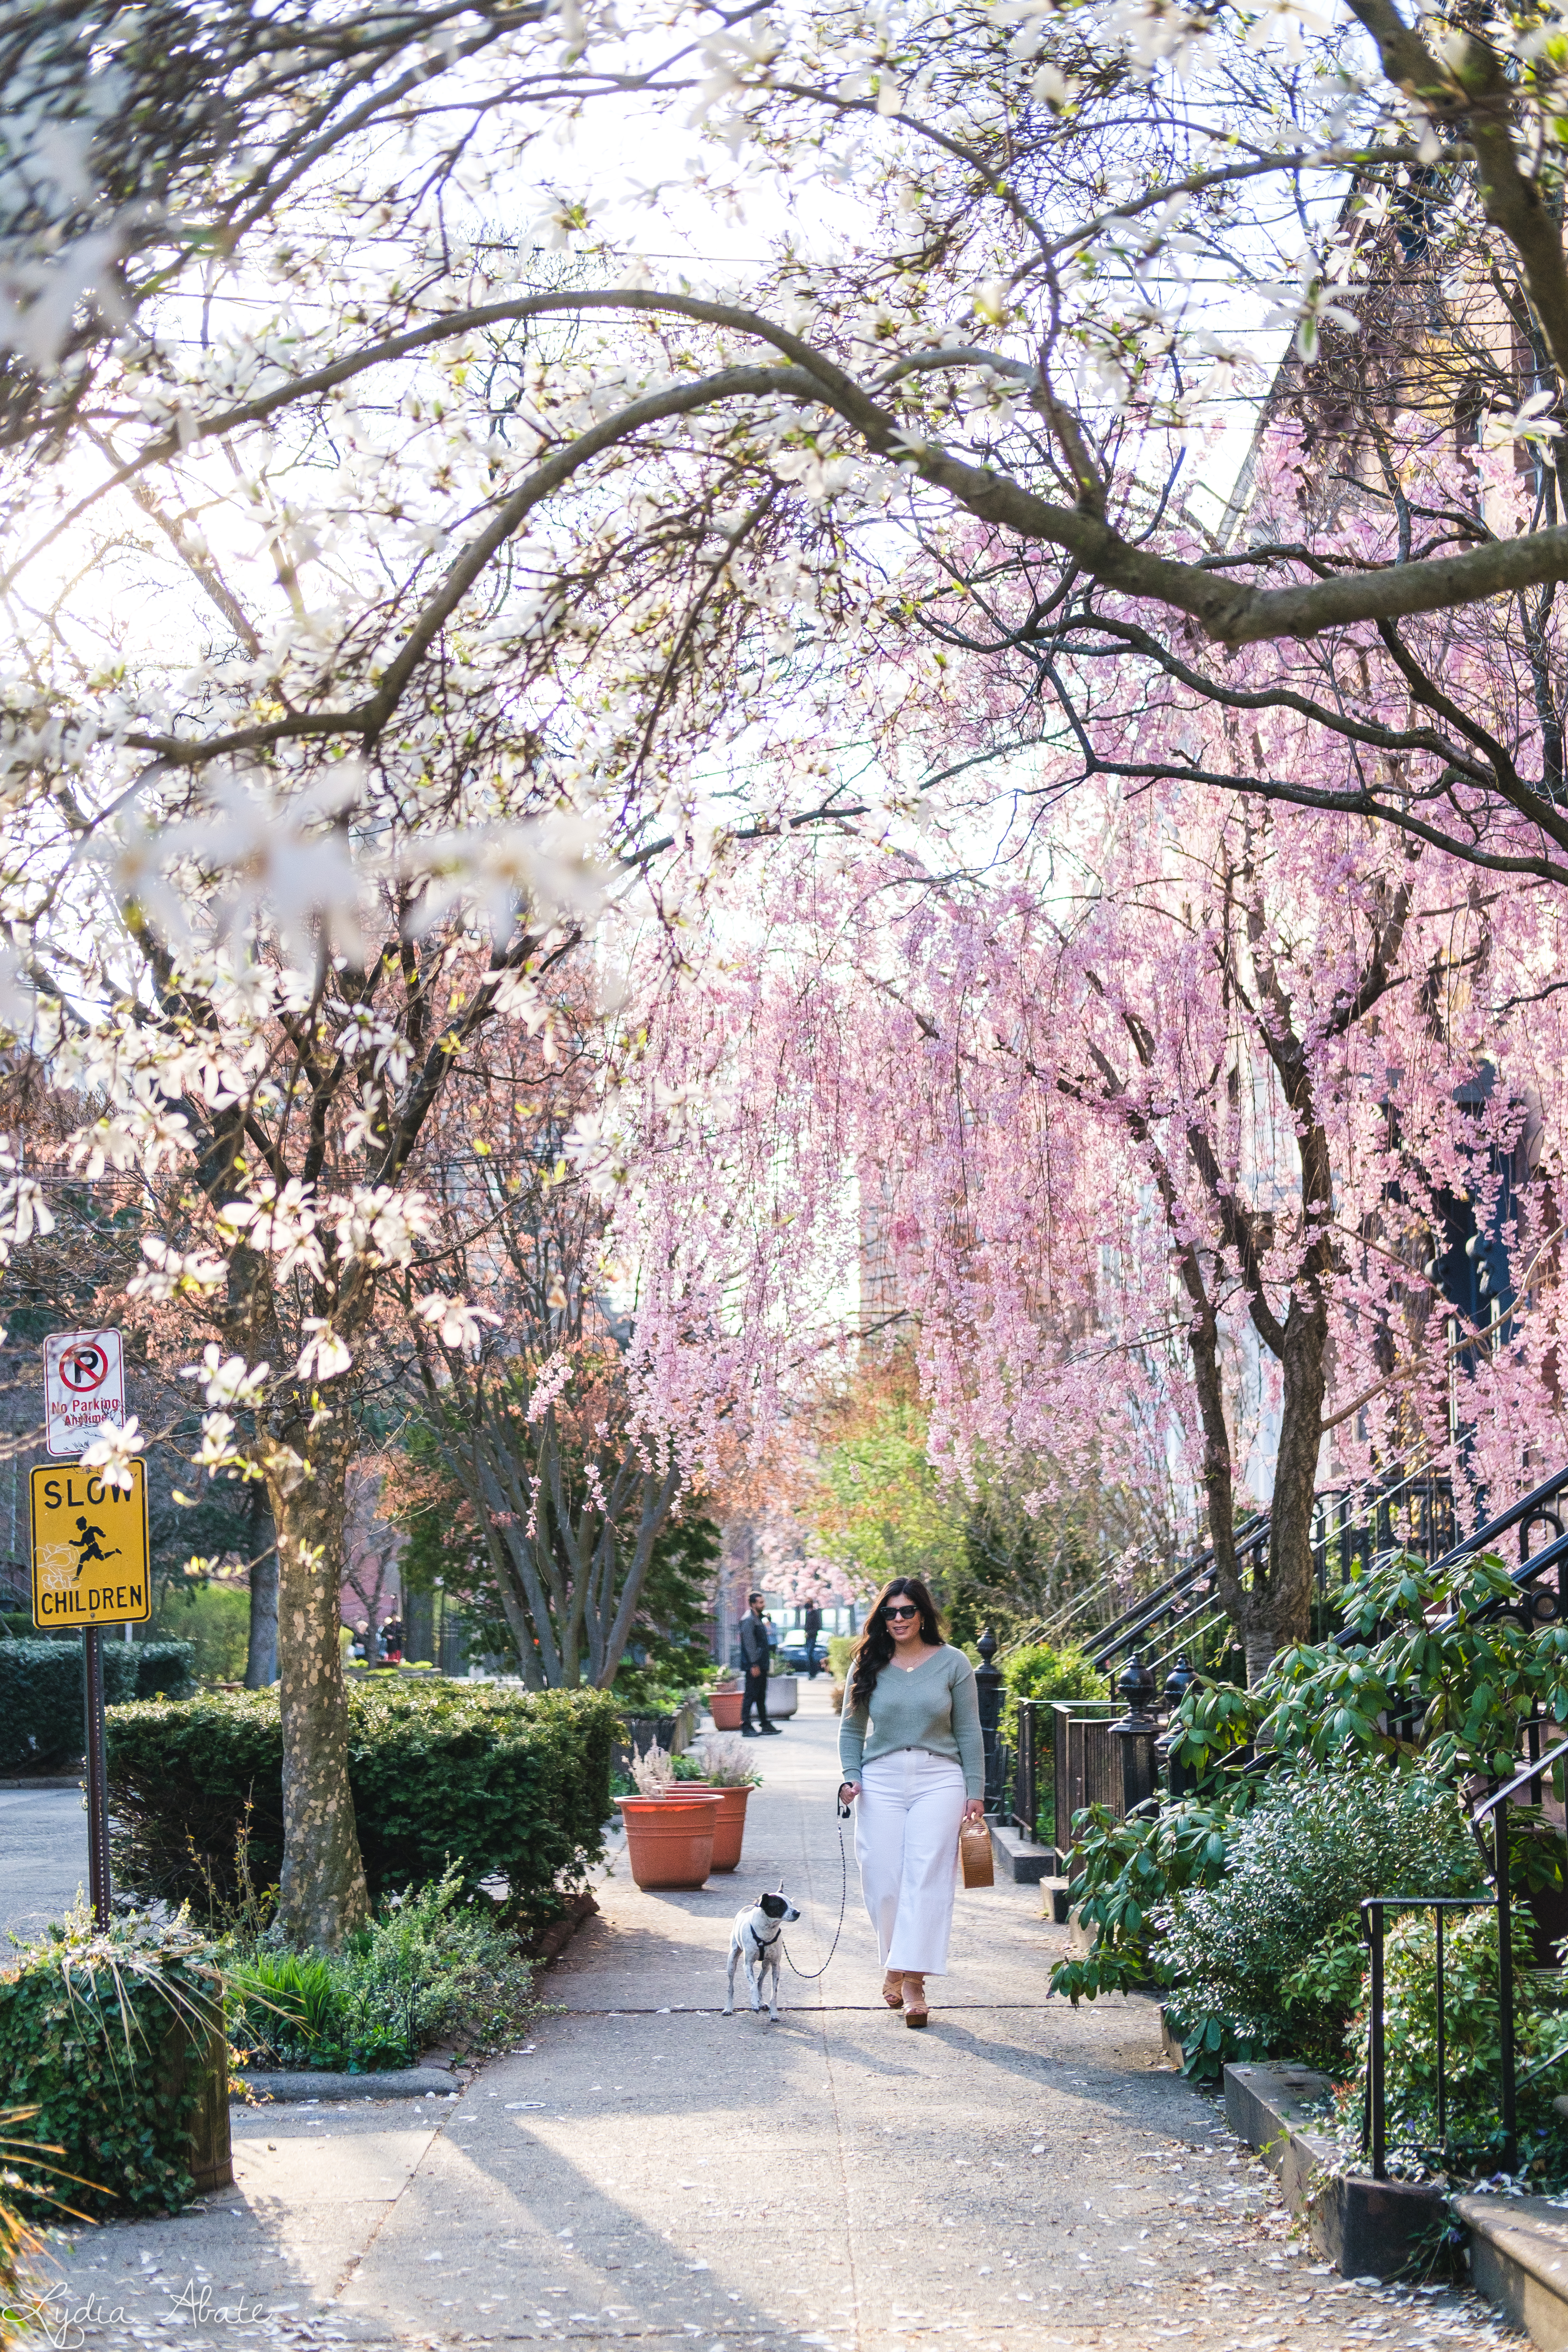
(913, 1760)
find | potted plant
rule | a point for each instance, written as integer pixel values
(669, 1836)
(784, 1696)
(721, 1769)
(725, 1704)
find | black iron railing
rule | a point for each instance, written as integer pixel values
(1057, 1756)
(1071, 1744)
(1351, 1526)
(1374, 2120)
(1404, 1510)
(1026, 1781)
(1492, 1809)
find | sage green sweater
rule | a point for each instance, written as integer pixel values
(933, 1706)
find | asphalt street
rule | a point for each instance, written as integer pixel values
(43, 1859)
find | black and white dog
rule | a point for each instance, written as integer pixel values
(757, 1938)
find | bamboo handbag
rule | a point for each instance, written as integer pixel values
(975, 1855)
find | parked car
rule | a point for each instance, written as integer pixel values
(789, 1658)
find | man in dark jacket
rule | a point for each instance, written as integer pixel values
(754, 1662)
(813, 1633)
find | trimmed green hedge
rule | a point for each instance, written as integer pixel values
(103, 2034)
(509, 1784)
(16, 1625)
(42, 1697)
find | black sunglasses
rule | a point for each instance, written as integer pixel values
(891, 1611)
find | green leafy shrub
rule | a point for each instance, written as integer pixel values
(1037, 1671)
(652, 1690)
(1428, 1688)
(214, 1619)
(506, 1783)
(425, 1969)
(16, 1625)
(1472, 2051)
(95, 2030)
(1424, 1666)
(1256, 1959)
(43, 1694)
(1124, 1871)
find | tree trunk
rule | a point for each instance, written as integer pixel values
(1279, 1610)
(322, 1896)
(261, 1655)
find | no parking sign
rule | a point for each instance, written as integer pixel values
(84, 1386)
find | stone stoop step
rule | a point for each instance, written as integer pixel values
(1367, 2228)
(1519, 2245)
(1518, 2258)
(1020, 1856)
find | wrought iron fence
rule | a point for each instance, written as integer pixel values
(1373, 1912)
(1408, 1509)
(1087, 1757)
(1047, 1760)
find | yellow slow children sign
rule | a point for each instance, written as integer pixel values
(90, 1547)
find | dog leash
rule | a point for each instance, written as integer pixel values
(810, 1976)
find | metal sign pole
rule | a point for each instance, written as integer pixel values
(97, 1777)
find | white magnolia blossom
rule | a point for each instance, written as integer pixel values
(282, 1225)
(24, 1211)
(381, 1224)
(217, 1446)
(113, 1450)
(144, 1133)
(170, 1272)
(228, 1380)
(1530, 422)
(455, 1323)
(325, 1356)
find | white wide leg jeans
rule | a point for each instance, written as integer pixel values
(906, 1842)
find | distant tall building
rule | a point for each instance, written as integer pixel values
(880, 1307)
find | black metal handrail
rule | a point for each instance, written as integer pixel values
(1521, 1515)
(1130, 1630)
(1533, 1564)
(1372, 1508)
(1372, 1909)
(1501, 1897)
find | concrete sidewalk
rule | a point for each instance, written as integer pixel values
(1020, 2175)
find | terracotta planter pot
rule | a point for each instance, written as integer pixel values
(732, 1824)
(724, 1706)
(669, 1840)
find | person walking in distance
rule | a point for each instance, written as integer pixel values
(755, 1657)
(813, 1631)
(913, 1760)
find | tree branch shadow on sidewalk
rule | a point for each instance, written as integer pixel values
(600, 2253)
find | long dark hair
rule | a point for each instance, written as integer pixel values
(874, 1647)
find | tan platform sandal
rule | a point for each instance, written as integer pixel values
(893, 1988)
(916, 2013)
